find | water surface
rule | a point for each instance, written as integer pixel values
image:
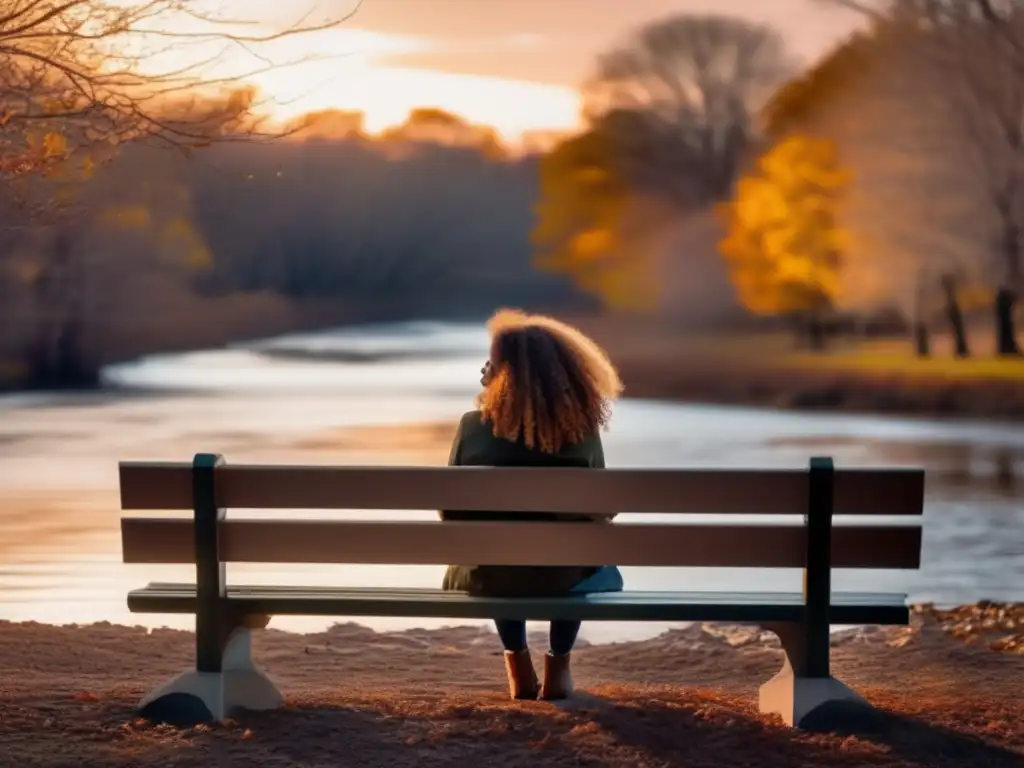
(318, 399)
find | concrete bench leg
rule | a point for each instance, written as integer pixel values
(195, 696)
(792, 693)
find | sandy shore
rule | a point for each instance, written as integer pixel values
(435, 698)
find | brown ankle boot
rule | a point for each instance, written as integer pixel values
(522, 679)
(557, 678)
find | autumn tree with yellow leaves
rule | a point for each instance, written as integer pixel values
(670, 112)
(581, 223)
(783, 243)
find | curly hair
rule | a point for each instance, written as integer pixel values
(548, 385)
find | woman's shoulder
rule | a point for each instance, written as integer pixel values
(472, 417)
(472, 422)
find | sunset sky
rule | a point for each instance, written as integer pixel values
(514, 64)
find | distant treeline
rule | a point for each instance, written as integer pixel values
(157, 250)
(352, 220)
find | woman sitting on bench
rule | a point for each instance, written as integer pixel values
(547, 391)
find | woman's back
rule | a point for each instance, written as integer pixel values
(476, 445)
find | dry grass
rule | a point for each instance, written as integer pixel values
(892, 358)
(945, 369)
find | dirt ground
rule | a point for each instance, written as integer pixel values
(435, 698)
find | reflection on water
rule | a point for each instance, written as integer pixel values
(341, 398)
(992, 468)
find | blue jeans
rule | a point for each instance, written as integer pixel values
(562, 635)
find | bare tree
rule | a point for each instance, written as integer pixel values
(977, 48)
(89, 71)
(94, 75)
(694, 82)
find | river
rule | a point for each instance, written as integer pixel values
(349, 396)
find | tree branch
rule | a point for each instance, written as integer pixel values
(75, 66)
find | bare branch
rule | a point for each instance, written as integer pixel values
(975, 50)
(693, 82)
(83, 68)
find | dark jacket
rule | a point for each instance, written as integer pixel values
(475, 445)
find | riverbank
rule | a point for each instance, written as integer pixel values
(435, 698)
(766, 370)
(177, 320)
(662, 361)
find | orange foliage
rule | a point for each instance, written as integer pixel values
(581, 224)
(783, 241)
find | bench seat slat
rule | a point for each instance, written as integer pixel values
(159, 485)
(739, 607)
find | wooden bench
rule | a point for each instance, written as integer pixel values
(225, 677)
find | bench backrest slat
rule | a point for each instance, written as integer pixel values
(170, 540)
(148, 486)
